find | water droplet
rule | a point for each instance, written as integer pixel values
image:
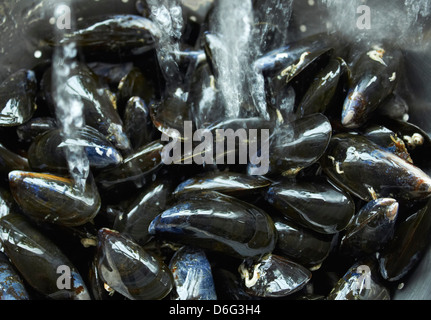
(38, 54)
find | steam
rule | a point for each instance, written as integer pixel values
(398, 21)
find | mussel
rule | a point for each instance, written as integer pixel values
(11, 284)
(371, 228)
(219, 223)
(230, 183)
(273, 276)
(316, 205)
(411, 238)
(55, 199)
(135, 168)
(9, 161)
(47, 152)
(137, 122)
(127, 268)
(359, 283)
(99, 107)
(17, 98)
(296, 145)
(300, 244)
(192, 275)
(39, 261)
(110, 35)
(151, 201)
(374, 77)
(368, 171)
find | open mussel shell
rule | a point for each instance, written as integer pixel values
(127, 268)
(388, 140)
(17, 98)
(374, 78)
(301, 244)
(134, 168)
(361, 167)
(230, 183)
(359, 283)
(297, 145)
(273, 276)
(38, 260)
(410, 239)
(219, 223)
(316, 204)
(55, 199)
(371, 228)
(415, 139)
(192, 275)
(11, 283)
(48, 150)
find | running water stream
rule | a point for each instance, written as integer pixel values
(69, 110)
(168, 16)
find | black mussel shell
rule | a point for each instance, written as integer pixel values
(192, 275)
(108, 36)
(135, 168)
(55, 199)
(217, 222)
(371, 228)
(151, 201)
(374, 78)
(99, 107)
(410, 239)
(133, 84)
(31, 129)
(230, 183)
(299, 244)
(10, 161)
(137, 122)
(359, 283)
(273, 276)
(296, 56)
(316, 205)
(127, 268)
(11, 283)
(299, 144)
(325, 86)
(47, 152)
(17, 98)
(38, 260)
(361, 167)
(388, 140)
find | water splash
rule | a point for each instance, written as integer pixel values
(233, 54)
(167, 15)
(69, 110)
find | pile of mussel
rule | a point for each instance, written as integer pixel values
(347, 189)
